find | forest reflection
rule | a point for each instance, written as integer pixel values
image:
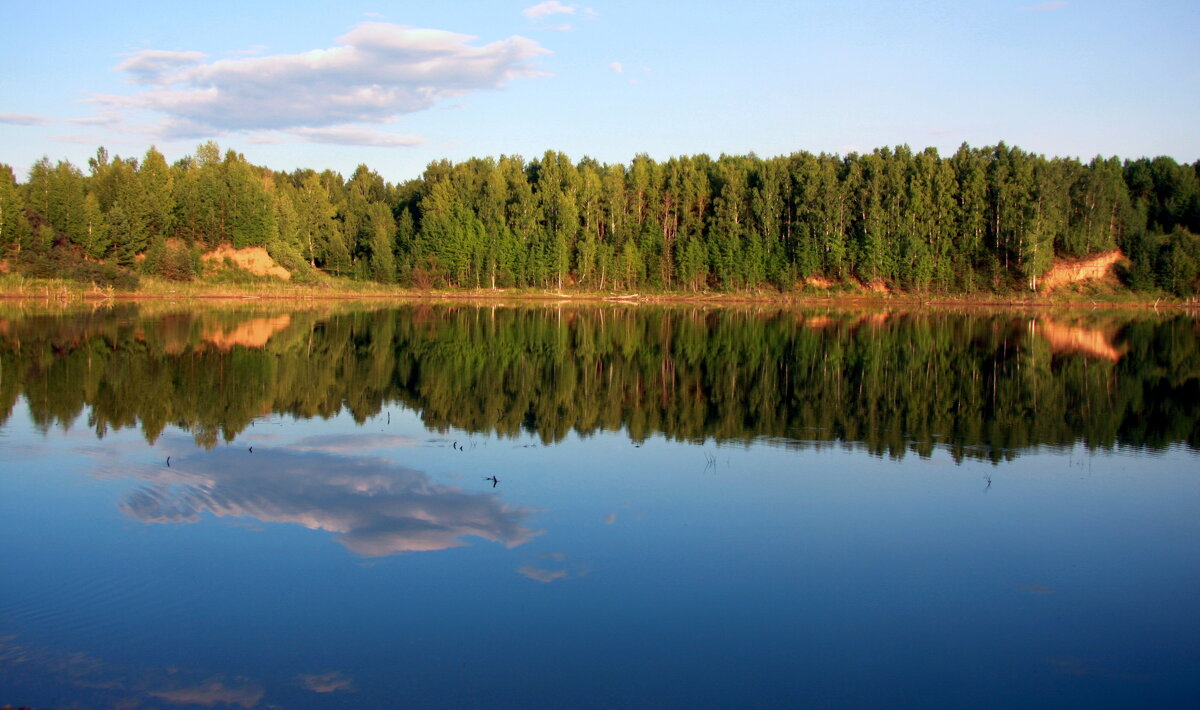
(983, 386)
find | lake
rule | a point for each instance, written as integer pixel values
(504, 506)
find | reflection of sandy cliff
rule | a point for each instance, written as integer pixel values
(873, 320)
(1067, 338)
(253, 333)
(177, 331)
(375, 507)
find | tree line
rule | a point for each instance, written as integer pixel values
(982, 387)
(983, 219)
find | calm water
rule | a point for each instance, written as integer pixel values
(690, 508)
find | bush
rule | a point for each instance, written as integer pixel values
(289, 257)
(65, 262)
(173, 262)
(1179, 263)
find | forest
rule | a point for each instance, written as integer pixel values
(989, 219)
(982, 387)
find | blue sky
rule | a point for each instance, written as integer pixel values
(397, 85)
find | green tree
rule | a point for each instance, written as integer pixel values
(1179, 263)
(382, 227)
(246, 205)
(969, 251)
(14, 228)
(128, 218)
(97, 241)
(728, 223)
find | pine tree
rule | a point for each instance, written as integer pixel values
(383, 235)
(248, 209)
(158, 191)
(971, 216)
(97, 242)
(728, 224)
(67, 195)
(14, 228)
(128, 218)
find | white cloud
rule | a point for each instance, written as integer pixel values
(550, 7)
(1043, 7)
(376, 72)
(153, 66)
(554, 7)
(80, 138)
(252, 50)
(616, 66)
(29, 119)
(350, 135)
(25, 119)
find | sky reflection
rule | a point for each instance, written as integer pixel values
(1039, 551)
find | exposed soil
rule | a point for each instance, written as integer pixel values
(256, 260)
(1072, 272)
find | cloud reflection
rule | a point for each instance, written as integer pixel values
(375, 507)
(545, 576)
(121, 687)
(330, 682)
(214, 692)
(339, 443)
(548, 574)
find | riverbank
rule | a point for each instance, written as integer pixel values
(15, 287)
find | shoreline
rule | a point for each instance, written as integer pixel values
(66, 293)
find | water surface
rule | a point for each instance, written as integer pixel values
(690, 508)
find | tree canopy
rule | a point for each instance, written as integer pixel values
(982, 219)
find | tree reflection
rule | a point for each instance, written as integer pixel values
(983, 386)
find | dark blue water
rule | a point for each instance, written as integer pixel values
(373, 564)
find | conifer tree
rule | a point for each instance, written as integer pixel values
(14, 228)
